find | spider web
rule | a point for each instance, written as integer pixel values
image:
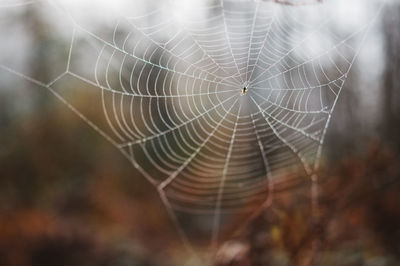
(171, 79)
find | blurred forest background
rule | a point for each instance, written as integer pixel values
(67, 197)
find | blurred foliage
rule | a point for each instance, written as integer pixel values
(69, 198)
(358, 221)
